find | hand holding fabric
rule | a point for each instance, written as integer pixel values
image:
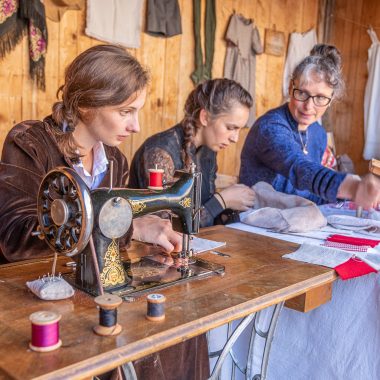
(238, 197)
(365, 191)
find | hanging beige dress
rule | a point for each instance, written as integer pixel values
(243, 44)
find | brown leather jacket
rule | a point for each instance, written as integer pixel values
(30, 151)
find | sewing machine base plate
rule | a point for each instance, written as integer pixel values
(148, 275)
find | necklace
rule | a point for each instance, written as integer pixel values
(304, 145)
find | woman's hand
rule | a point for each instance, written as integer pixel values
(365, 191)
(238, 197)
(155, 230)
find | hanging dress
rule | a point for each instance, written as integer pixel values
(299, 48)
(372, 101)
(243, 44)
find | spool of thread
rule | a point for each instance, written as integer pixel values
(108, 304)
(45, 331)
(155, 307)
(155, 178)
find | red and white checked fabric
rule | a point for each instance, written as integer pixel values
(353, 240)
(346, 247)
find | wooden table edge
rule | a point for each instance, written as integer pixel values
(118, 356)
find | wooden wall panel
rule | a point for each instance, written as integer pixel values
(171, 62)
(349, 23)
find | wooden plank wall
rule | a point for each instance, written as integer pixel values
(349, 23)
(171, 62)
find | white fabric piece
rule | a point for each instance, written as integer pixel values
(299, 48)
(319, 255)
(200, 245)
(312, 237)
(372, 101)
(115, 21)
(51, 288)
(345, 222)
(331, 257)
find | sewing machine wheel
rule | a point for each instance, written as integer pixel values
(65, 211)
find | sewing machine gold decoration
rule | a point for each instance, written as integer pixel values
(88, 224)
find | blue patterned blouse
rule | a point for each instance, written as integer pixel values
(273, 153)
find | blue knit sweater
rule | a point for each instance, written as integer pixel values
(273, 153)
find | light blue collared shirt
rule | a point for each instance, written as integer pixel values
(99, 168)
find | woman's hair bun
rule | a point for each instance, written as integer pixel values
(327, 52)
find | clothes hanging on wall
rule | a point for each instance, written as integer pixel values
(115, 21)
(243, 44)
(17, 17)
(55, 9)
(299, 48)
(163, 18)
(372, 101)
(203, 71)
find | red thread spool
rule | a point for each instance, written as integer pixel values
(155, 178)
(45, 331)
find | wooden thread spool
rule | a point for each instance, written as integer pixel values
(108, 304)
(155, 179)
(45, 331)
(155, 307)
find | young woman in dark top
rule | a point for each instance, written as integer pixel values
(215, 112)
(286, 145)
(104, 90)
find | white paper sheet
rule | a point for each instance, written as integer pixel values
(201, 245)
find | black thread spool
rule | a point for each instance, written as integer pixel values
(155, 307)
(108, 304)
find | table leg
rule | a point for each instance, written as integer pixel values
(256, 332)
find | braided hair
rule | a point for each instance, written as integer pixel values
(216, 96)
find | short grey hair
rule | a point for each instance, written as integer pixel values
(325, 62)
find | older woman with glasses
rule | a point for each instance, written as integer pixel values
(285, 146)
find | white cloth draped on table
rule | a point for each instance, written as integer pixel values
(372, 101)
(338, 340)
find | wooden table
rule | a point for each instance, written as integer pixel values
(256, 277)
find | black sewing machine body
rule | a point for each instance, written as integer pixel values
(71, 217)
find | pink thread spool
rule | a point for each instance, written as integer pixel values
(45, 331)
(155, 178)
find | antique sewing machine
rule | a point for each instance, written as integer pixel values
(87, 225)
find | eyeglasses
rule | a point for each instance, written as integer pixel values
(303, 96)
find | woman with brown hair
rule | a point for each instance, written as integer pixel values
(215, 112)
(105, 87)
(104, 90)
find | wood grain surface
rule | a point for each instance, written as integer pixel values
(256, 277)
(170, 62)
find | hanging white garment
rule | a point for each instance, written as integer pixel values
(299, 48)
(115, 21)
(372, 101)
